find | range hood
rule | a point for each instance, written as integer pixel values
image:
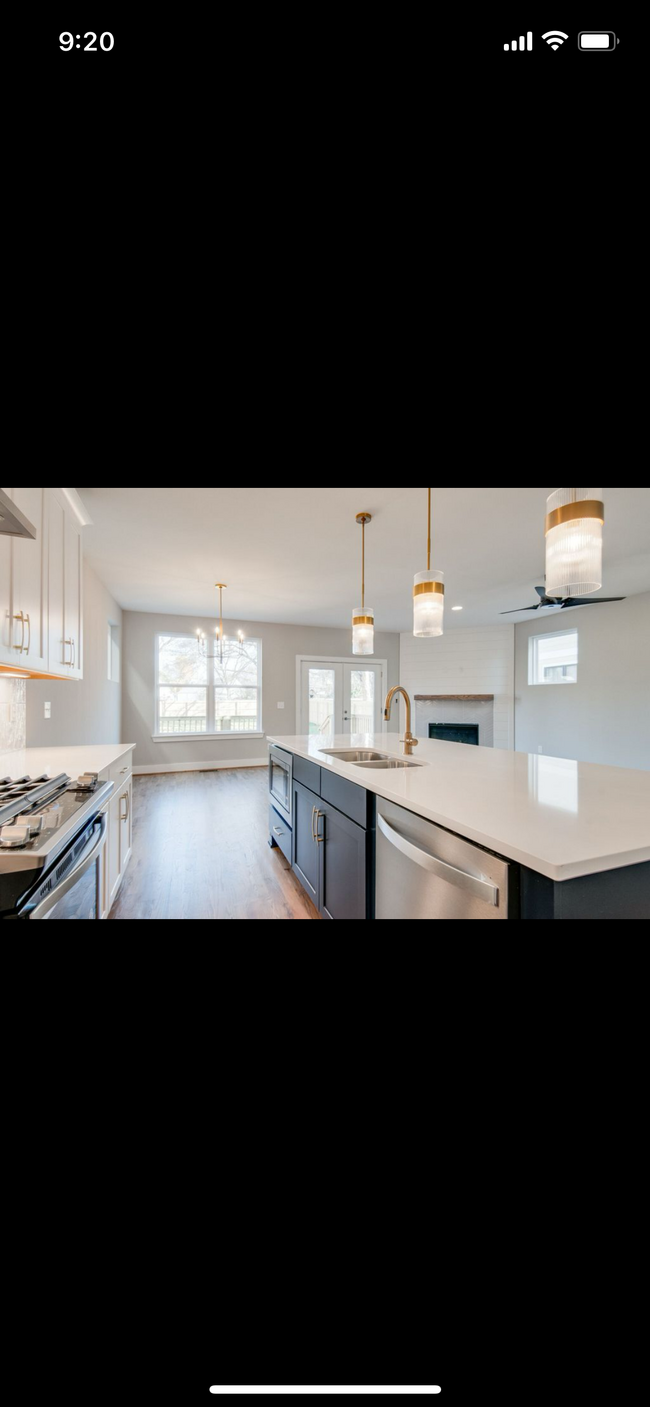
(13, 523)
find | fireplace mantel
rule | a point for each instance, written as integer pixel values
(436, 698)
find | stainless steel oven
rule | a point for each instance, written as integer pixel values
(281, 780)
(74, 887)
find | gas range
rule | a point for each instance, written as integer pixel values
(40, 817)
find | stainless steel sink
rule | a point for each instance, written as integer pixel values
(390, 764)
(358, 755)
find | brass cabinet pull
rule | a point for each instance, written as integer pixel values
(74, 654)
(29, 641)
(313, 814)
(67, 663)
(320, 839)
(21, 646)
(127, 813)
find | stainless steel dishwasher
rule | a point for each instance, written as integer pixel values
(425, 872)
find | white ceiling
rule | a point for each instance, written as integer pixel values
(294, 555)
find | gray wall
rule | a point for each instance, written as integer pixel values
(88, 711)
(605, 717)
(280, 645)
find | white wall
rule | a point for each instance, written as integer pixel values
(605, 717)
(280, 646)
(463, 661)
(89, 710)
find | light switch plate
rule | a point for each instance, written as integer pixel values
(280, 705)
(48, 710)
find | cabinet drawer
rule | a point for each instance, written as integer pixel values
(120, 771)
(280, 833)
(353, 801)
(307, 773)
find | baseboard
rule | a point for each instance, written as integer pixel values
(155, 767)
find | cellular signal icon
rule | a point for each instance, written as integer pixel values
(555, 37)
(526, 43)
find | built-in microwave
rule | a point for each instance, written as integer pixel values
(281, 780)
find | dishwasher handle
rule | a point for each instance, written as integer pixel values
(478, 888)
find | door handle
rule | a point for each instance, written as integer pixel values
(127, 813)
(277, 831)
(67, 663)
(320, 816)
(74, 653)
(29, 638)
(478, 888)
(313, 814)
(21, 646)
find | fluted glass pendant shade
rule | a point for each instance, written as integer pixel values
(363, 631)
(429, 604)
(574, 542)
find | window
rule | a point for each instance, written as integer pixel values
(553, 659)
(113, 652)
(207, 698)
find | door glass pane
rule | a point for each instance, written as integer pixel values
(322, 684)
(362, 701)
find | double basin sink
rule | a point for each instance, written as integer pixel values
(365, 757)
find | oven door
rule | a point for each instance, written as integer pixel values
(280, 779)
(79, 892)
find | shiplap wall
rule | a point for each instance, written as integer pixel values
(463, 661)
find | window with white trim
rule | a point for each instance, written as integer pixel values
(553, 659)
(199, 697)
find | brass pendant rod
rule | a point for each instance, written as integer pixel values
(363, 565)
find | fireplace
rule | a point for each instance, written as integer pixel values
(464, 718)
(455, 732)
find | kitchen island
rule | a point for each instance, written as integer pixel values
(576, 835)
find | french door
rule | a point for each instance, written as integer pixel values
(340, 696)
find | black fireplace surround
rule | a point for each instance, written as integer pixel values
(455, 732)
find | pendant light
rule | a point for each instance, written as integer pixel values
(204, 650)
(574, 542)
(363, 619)
(429, 597)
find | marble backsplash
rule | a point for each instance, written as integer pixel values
(13, 714)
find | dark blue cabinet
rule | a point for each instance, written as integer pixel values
(332, 857)
(343, 848)
(306, 859)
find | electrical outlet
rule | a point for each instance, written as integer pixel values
(48, 710)
(280, 705)
(540, 748)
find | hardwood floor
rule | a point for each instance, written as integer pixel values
(200, 850)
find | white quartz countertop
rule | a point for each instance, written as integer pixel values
(33, 761)
(558, 817)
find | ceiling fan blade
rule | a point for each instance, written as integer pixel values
(589, 601)
(518, 609)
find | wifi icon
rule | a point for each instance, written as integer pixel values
(555, 37)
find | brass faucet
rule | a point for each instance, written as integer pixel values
(408, 740)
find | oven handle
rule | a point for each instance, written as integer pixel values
(86, 859)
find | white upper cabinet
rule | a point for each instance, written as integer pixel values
(6, 622)
(30, 585)
(41, 606)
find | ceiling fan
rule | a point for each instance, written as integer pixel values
(553, 603)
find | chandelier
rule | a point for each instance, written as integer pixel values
(204, 641)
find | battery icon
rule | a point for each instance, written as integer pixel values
(597, 41)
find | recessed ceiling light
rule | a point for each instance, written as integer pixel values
(456, 608)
